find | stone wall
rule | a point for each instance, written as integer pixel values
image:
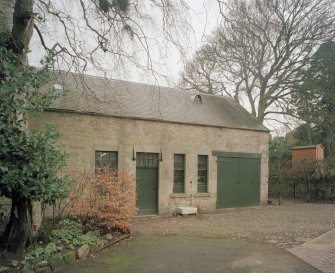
(83, 134)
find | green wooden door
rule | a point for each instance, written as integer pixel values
(147, 183)
(228, 181)
(250, 181)
(238, 179)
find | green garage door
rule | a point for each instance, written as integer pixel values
(147, 183)
(238, 179)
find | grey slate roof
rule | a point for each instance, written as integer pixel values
(95, 95)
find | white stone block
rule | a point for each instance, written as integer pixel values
(187, 210)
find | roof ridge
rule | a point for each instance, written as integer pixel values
(114, 80)
(173, 89)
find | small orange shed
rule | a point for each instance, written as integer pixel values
(314, 152)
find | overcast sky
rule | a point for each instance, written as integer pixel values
(168, 61)
(205, 18)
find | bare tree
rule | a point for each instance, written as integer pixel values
(256, 54)
(95, 34)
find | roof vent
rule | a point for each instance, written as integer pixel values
(196, 99)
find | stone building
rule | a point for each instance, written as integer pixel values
(186, 149)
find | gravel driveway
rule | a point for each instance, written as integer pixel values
(286, 226)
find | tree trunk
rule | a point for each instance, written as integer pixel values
(330, 142)
(17, 20)
(261, 110)
(18, 232)
(23, 25)
(6, 16)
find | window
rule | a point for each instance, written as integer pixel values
(202, 173)
(179, 173)
(105, 159)
(147, 160)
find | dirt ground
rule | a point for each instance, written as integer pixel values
(285, 226)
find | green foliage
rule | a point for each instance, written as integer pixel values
(3, 269)
(104, 5)
(311, 180)
(40, 255)
(118, 5)
(3, 213)
(30, 162)
(304, 135)
(314, 100)
(14, 263)
(26, 267)
(279, 149)
(121, 5)
(70, 234)
(20, 87)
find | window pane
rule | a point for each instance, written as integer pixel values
(202, 173)
(105, 159)
(179, 173)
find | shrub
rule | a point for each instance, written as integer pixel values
(70, 234)
(67, 234)
(109, 199)
(306, 179)
(4, 214)
(40, 255)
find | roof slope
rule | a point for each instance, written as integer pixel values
(89, 94)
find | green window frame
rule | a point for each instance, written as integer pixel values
(106, 159)
(202, 173)
(179, 173)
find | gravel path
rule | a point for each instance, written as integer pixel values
(286, 226)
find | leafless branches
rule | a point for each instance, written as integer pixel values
(258, 51)
(105, 35)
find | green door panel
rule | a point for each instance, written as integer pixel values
(238, 179)
(147, 183)
(250, 181)
(228, 182)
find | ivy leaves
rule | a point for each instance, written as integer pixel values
(30, 162)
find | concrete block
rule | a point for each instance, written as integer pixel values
(187, 210)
